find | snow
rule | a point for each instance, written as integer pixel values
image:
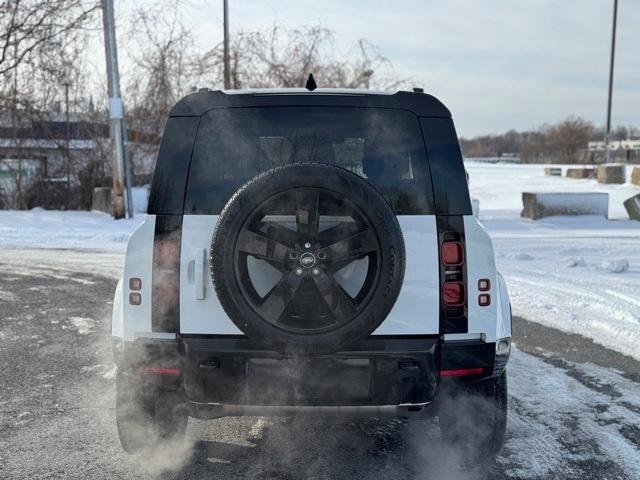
(619, 265)
(140, 197)
(577, 274)
(554, 404)
(83, 325)
(39, 228)
(79, 230)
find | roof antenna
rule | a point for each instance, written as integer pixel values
(311, 83)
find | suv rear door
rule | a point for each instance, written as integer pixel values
(383, 145)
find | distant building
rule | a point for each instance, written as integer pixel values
(502, 158)
(55, 152)
(629, 148)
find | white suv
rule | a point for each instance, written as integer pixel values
(310, 251)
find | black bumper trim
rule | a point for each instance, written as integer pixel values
(374, 371)
(206, 411)
(467, 354)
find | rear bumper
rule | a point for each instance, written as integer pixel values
(373, 372)
(378, 376)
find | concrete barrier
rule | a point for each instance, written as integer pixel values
(586, 172)
(475, 207)
(540, 205)
(633, 207)
(553, 171)
(101, 200)
(635, 176)
(611, 174)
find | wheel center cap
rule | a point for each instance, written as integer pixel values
(307, 260)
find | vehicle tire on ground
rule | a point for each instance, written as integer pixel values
(474, 419)
(332, 250)
(147, 415)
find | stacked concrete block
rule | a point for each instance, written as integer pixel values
(633, 207)
(540, 205)
(611, 174)
(101, 200)
(582, 172)
(635, 176)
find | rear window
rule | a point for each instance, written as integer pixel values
(384, 146)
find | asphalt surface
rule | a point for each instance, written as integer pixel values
(57, 402)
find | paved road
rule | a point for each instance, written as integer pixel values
(574, 406)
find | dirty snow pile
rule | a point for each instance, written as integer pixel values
(40, 228)
(576, 274)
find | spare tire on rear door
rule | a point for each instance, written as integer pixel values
(307, 258)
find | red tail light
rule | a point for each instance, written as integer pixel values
(167, 252)
(159, 370)
(461, 372)
(452, 253)
(167, 292)
(453, 275)
(165, 284)
(453, 294)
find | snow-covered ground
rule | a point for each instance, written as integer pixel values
(554, 404)
(40, 228)
(560, 271)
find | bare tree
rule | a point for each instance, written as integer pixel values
(47, 83)
(568, 137)
(166, 65)
(27, 26)
(281, 57)
(562, 142)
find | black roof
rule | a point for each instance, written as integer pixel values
(203, 100)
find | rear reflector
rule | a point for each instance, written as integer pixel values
(484, 284)
(135, 283)
(135, 298)
(159, 370)
(461, 372)
(484, 299)
(453, 294)
(452, 253)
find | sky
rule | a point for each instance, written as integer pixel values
(497, 64)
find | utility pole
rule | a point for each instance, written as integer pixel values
(607, 133)
(227, 68)
(117, 128)
(68, 142)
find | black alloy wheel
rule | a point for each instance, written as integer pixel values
(307, 258)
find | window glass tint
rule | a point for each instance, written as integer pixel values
(170, 176)
(382, 145)
(451, 190)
